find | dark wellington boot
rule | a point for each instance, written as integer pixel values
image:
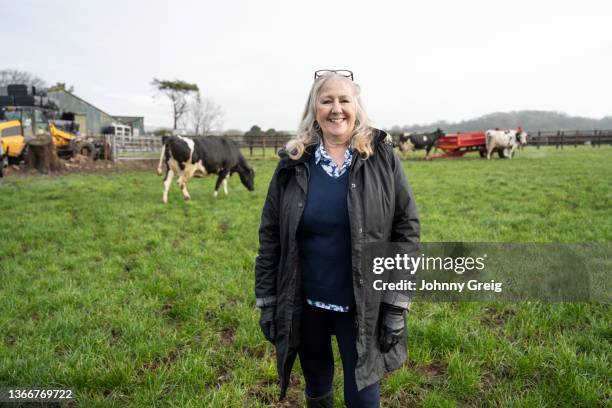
(326, 401)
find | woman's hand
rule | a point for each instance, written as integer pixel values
(267, 324)
(391, 328)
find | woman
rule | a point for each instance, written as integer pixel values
(338, 186)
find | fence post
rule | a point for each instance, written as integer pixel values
(108, 147)
(264, 146)
(599, 140)
(576, 140)
(113, 139)
(251, 146)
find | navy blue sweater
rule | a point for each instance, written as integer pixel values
(324, 239)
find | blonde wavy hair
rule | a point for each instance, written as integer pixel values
(361, 139)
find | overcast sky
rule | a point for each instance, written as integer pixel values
(416, 62)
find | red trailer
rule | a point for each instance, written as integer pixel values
(458, 144)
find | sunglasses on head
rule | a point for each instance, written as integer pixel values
(325, 72)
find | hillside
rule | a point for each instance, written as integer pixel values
(528, 119)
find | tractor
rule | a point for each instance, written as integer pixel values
(24, 114)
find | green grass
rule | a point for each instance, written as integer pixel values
(105, 290)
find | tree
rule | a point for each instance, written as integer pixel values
(204, 115)
(233, 133)
(162, 132)
(177, 91)
(254, 131)
(13, 76)
(61, 86)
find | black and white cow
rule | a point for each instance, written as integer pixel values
(505, 139)
(3, 159)
(184, 157)
(427, 141)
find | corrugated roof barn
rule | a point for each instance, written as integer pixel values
(91, 118)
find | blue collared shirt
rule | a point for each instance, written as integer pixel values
(323, 159)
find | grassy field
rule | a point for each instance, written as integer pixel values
(128, 302)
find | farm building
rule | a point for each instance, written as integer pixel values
(92, 119)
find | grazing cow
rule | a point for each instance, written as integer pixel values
(505, 139)
(425, 141)
(185, 157)
(3, 159)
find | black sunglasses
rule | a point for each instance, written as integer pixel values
(325, 72)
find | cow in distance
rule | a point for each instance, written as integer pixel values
(505, 140)
(416, 141)
(186, 157)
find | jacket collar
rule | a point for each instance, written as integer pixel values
(379, 136)
(287, 162)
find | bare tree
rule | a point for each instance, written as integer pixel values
(204, 115)
(177, 91)
(13, 76)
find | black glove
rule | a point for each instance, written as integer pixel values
(391, 327)
(267, 324)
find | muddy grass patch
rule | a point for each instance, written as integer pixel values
(170, 358)
(256, 352)
(488, 381)
(223, 227)
(82, 164)
(402, 399)
(267, 392)
(434, 370)
(227, 336)
(495, 318)
(161, 361)
(224, 374)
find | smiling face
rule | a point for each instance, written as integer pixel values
(335, 110)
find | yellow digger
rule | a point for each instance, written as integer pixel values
(24, 117)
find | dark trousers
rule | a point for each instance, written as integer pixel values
(317, 359)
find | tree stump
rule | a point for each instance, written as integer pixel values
(42, 155)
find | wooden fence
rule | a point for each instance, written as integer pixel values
(561, 138)
(145, 147)
(263, 143)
